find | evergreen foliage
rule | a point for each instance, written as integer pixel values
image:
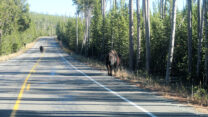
(18, 26)
(116, 32)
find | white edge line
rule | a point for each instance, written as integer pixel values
(111, 91)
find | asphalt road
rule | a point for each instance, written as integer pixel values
(54, 84)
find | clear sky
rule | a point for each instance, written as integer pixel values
(53, 7)
(66, 7)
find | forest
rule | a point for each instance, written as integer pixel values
(96, 32)
(18, 26)
(166, 42)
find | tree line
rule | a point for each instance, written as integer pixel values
(164, 42)
(14, 24)
(18, 26)
(46, 24)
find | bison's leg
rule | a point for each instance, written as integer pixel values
(111, 70)
(41, 49)
(115, 68)
(108, 69)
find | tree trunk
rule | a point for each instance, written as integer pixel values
(77, 33)
(199, 39)
(147, 31)
(161, 8)
(86, 32)
(206, 41)
(138, 33)
(103, 10)
(143, 10)
(103, 41)
(189, 36)
(172, 41)
(164, 14)
(115, 4)
(131, 34)
(102, 6)
(112, 18)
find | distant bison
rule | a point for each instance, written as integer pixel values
(41, 49)
(24, 44)
(112, 62)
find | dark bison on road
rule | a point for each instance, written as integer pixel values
(112, 62)
(41, 49)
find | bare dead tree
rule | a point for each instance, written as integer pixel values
(161, 8)
(138, 33)
(103, 2)
(131, 34)
(147, 32)
(164, 14)
(77, 31)
(172, 42)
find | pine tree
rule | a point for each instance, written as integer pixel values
(138, 34)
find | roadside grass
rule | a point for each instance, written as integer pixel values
(175, 91)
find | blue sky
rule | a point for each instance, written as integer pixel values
(66, 7)
(53, 7)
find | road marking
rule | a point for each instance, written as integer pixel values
(111, 91)
(16, 106)
(28, 87)
(33, 71)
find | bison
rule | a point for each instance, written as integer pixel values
(112, 62)
(41, 49)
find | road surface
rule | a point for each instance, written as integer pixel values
(54, 84)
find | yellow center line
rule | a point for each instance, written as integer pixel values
(16, 106)
(28, 87)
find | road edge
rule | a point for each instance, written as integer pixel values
(198, 108)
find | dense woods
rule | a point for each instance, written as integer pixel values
(46, 24)
(163, 42)
(15, 25)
